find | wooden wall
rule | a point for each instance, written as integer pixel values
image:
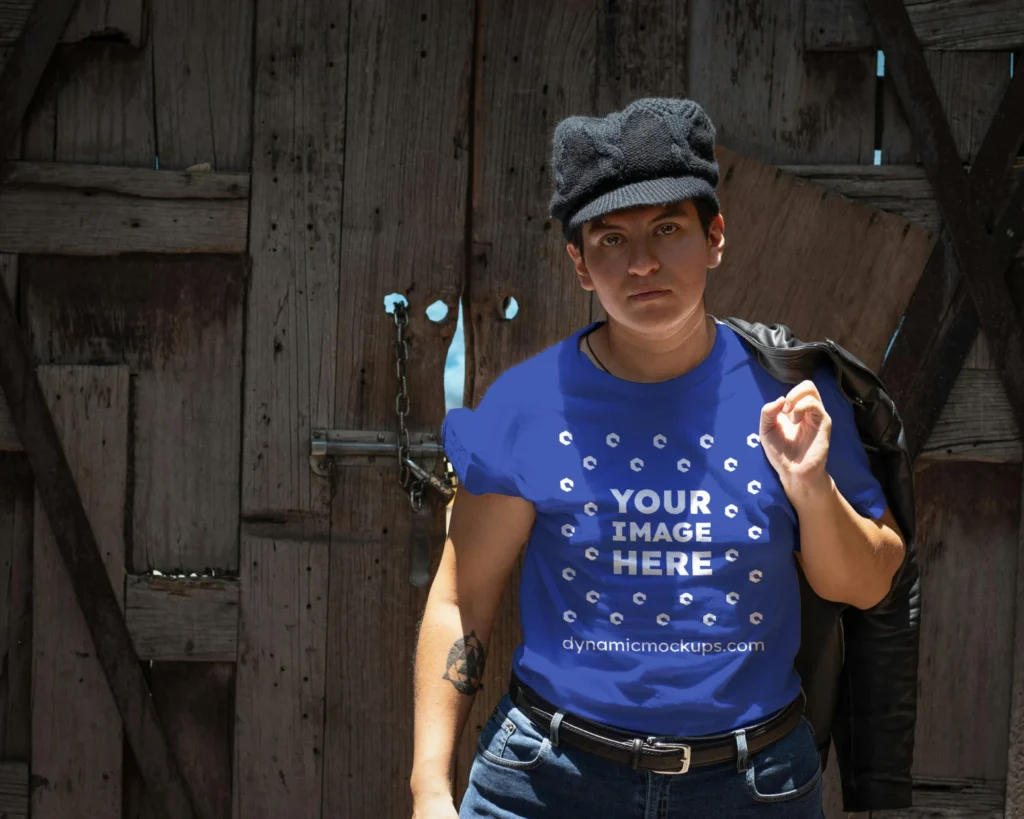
(209, 205)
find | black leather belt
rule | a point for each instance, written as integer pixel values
(648, 752)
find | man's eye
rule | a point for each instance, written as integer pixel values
(671, 229)
(610, 241)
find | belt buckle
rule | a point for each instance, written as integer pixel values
(684, 749)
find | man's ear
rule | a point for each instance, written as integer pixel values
(581, 267)
(716, 241)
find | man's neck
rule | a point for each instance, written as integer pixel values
(634, 357)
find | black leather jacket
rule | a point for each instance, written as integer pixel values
(859, 668)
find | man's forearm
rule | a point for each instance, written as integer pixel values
(449, 672)
(846, 557)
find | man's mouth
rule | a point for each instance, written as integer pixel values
(648, 294)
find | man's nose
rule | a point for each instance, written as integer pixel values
(641, 261)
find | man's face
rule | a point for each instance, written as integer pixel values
(648, 265)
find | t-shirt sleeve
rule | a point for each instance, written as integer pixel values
(847, 459)
(480, 443)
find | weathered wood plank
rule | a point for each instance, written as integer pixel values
(202, 71)
(976, 423)
(955, 792)
(8, 280)
(178, 324)
(196, 702)
(120, 19)
(292, 345)
(379, 607)
(104, 105)
(292, 316)
(970, 87)
(1015, 742)
(954, 25)
(15, 578)
(967, 637)
(16, 508)
(279, 701)
(408, 100)
(136, 183)
(642, 49)
(77, 743)
(865, 260)
(953, 798)
(181, 618)
(13, 790)
(9, 275)
(94, 106)
(527, 79)
(767, 97)
(76, 223)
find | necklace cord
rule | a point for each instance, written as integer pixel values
(586, 338)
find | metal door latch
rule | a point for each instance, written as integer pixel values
(330, 448)
(351, 447)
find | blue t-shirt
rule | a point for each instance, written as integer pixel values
(659, 590)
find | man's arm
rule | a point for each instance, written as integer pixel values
(846, 557)
(485, 536)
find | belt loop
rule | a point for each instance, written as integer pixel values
(741, 750)
(637, 745)
(556, 720)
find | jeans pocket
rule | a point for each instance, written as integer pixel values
(787, 769)
(510, 740)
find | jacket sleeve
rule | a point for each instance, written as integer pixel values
(877, 701)
(847, 459)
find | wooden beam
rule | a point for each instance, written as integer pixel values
(952, 25)
(78, 547)
(26, 63)
(181, 618)
(962, 217)
(899, 189)
(937, 330)
(89, 405)
(92, 210)
(14, 789)
(142, 183)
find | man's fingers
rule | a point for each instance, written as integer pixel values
(802, 389)
(770, 412)
(808, 405)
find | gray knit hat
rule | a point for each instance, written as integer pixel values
(654, 151)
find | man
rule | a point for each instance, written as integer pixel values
(663, 482)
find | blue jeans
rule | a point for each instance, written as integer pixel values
(517, 773)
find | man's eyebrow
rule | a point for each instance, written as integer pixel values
(671, 210)
(675, 209)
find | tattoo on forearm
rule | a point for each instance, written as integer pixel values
(465, 668)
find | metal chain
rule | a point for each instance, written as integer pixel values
(405, 479)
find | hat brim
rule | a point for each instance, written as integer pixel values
(645, 193)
